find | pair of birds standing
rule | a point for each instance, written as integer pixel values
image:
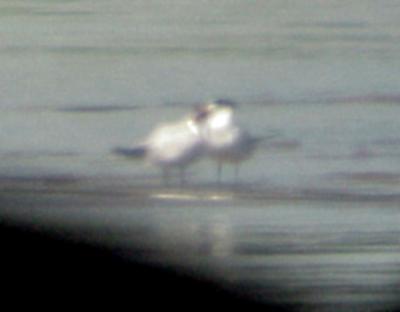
(210, 130)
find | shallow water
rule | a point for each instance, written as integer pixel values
(316, 208)
(315, 250)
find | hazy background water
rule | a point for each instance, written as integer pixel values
(80, 77)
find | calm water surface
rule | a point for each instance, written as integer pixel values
(316, 211)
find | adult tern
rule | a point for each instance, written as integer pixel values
(172, 146)
(225, 141)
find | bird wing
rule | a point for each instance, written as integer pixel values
(134, 152)
(172, 142)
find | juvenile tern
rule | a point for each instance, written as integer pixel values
(172, 146)
(225, 141)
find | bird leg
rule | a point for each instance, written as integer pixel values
(182, 178)
(165, 176)
(236, 173)
(219, 172)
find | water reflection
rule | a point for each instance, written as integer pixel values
(317, 252)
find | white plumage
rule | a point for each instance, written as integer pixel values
(225, 141)
(173, 145)
(211, 130)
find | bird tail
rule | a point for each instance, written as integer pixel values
(271, 135)
(133, 152)
(265, 139)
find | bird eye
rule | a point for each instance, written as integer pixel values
(226, 102)
(201, 115)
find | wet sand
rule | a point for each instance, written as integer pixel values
(314, 249)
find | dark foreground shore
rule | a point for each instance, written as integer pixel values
(55, 250)
(113, 240)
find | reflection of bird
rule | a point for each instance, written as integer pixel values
(226, 142)
(172, 145)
